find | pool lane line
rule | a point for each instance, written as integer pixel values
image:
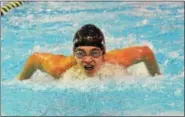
(5, 9)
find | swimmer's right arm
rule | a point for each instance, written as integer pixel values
(33, 63)
(54, 65)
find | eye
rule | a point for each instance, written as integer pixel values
(95, 53)
(80, 53)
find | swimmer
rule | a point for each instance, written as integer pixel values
(89, 52)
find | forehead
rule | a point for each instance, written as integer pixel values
(87, 47)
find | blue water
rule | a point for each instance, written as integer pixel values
(50, 27)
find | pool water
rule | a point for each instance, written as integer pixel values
(50, 27)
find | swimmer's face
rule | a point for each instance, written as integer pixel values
(90, 58)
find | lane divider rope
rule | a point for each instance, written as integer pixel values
(5, 9)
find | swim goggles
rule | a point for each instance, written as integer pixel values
(95, 53)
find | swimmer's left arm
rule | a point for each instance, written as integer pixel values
(147, 56)
(133, 55)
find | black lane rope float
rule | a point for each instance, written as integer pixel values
(9, 6)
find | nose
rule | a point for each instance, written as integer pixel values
(87, 59)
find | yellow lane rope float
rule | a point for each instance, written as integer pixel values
(9, 6)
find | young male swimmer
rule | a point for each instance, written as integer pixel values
(89, 53)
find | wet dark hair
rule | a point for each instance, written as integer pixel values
(89, 35)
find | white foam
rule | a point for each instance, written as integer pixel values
(119, 42)
(115, 76)
(173, 54)
(55, 49)
(131, 40)
(139, 70)
(178, 92)
(180, 11)
(180, 75)
(142, 23)
(75, 78)
(176, 4)
(42, 81)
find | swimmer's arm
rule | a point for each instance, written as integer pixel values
(148, 58)
(33, 63)
(55, 65)
(133, 55)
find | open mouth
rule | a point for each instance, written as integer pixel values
(89, 67)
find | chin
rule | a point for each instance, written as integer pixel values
(90, 73)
